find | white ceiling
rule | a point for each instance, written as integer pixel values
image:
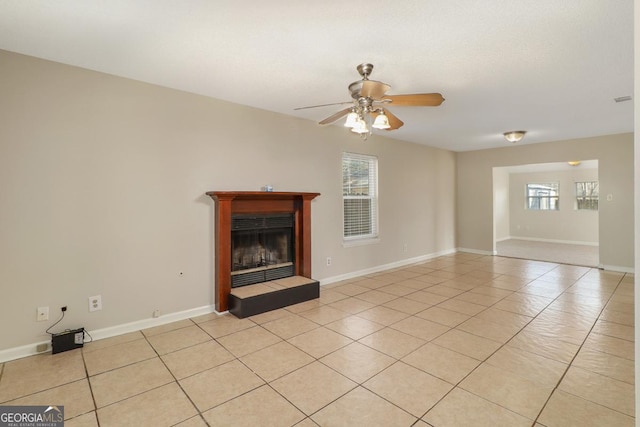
(546, 66)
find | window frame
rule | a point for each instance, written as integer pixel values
(587, 198)
(545, 202)
(370, 227)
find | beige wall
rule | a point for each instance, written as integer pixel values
(615, 163)
(636, 177)
(567, 224)
(103, 181)
(501, 204)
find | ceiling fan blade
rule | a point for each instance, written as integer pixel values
(336, 116)
(324, 105)
(373, 89)
(394, 122)
(416, 100)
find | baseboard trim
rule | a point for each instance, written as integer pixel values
(98, 334)
(617, 268)
(476, 251)
(566, 242)
(378, 269)
(138, 325)
(112, 331)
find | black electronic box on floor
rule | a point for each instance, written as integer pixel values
(67, 340)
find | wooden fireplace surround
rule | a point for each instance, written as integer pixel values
(229, 203)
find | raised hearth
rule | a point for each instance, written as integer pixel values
(255, 299)
(265, 253)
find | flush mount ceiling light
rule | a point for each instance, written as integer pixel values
(514, 135)
(574, 162)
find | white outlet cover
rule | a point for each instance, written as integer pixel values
(42, 314)
(95, 303)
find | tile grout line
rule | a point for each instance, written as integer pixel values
(483, 361)
(498, 349)
(576, 355)
(398, 280)
(173, 375)
(266, 383)
(450, 328)
(88, 378)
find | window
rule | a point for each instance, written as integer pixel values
(587, 195)
(543, 197)
(359, 196)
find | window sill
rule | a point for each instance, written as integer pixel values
(360, 242)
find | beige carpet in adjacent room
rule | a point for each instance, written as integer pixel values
(561, 253)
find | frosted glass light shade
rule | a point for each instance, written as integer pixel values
(352, 118)
(514, 135)
(360, 127)
(381, 122)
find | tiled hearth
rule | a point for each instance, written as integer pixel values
(255, 299)
(461, 340)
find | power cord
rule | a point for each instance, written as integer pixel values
(64, 310)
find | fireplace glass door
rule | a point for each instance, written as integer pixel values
(262, 248)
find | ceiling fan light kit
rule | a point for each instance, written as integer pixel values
(369, 97)
(381, 122)
(360, 127)
(514, 135)
(352, 118)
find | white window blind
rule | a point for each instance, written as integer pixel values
(359, 196)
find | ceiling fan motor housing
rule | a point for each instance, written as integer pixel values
(365, 70)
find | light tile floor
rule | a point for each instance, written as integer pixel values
(461, 340)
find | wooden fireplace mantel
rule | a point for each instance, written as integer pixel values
(229, 203)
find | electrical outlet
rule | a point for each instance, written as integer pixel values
(156, 313)
(328, 260)
(95, 303)
(43, 314)
(404, 248)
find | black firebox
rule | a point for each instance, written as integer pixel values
(262, 248)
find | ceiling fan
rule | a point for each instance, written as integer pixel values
(367, 108)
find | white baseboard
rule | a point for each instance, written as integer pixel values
(98, 334)
(22, 351)
(138, 325)
(476, 251)
(617, 268)
(112, 331)
(379, 268)
(566, 242)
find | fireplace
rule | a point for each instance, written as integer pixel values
(260, 236)
(261, 248)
